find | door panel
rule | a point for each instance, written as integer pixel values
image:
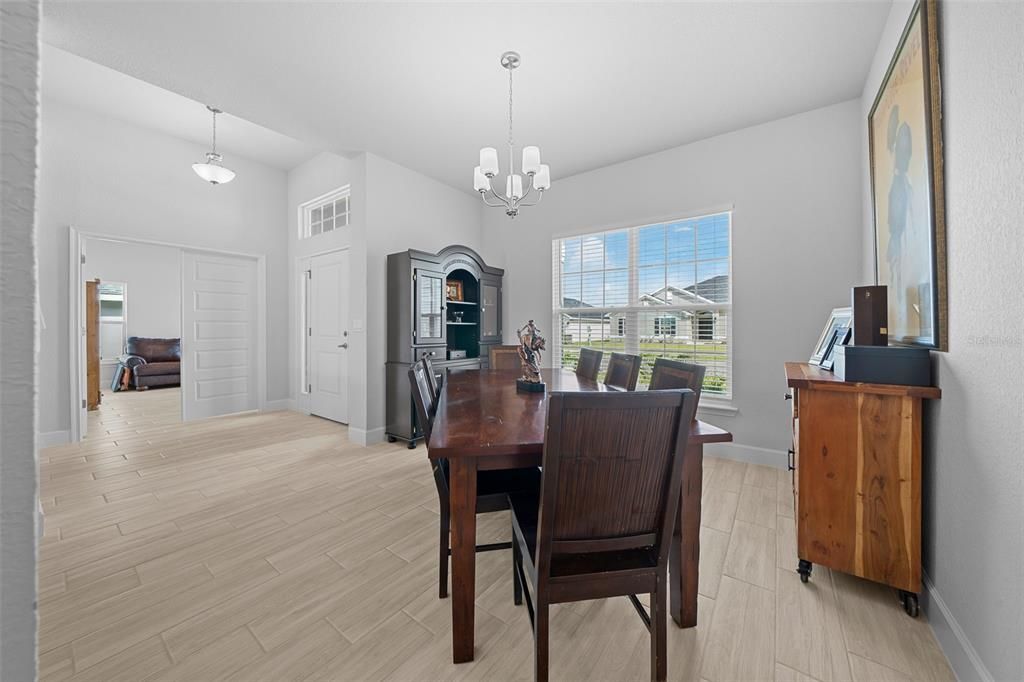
(92, 343)
(219, 335)
(328, 311)
(428, 319)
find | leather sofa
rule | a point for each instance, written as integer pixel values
(153, 362)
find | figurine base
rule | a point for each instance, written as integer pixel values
(530, 387)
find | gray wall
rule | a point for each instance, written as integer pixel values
(973, 489)
(794, 185)
(19, 55)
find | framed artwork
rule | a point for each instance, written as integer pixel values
(454, 290)
(839, 318)
(840, 337)
(907, 191)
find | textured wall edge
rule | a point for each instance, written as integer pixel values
(19, 115)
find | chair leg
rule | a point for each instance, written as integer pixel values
(659, 624)
(443, 554)
(540, 642)
(517, 586)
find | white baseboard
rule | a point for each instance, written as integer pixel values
(962, 656)
(50, 439)
(365, 436)
(748, 453)
(277, 405)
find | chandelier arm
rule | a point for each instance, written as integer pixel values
(540, 195)
(504, 202)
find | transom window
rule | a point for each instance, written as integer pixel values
(660, 290)
(325, 213)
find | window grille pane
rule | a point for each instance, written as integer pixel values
(315, 215)
(679, 273)
(328, 210)
(316, 228)
(572, 255)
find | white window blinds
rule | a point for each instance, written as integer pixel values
(660, 290)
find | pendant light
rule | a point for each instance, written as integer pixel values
(212, 171)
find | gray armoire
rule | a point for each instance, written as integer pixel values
(445, 306)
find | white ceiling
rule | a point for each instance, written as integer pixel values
(90, 86)
(420, 83)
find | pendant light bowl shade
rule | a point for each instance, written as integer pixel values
(213, 172)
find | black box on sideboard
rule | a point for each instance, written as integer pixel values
(884, 365)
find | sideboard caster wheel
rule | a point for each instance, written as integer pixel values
(804, 569)
(910, 603)
(412, 445)
(392, 439)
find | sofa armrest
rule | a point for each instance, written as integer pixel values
(131, 360)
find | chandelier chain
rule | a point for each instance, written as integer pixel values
(214, 132)
(510, 141)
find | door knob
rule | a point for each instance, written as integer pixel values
(343, 345)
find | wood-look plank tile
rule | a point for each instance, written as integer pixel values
(876, 628)
(751, 555)
(741, 643)
(757, 505)
(817, 648)
(271, 549)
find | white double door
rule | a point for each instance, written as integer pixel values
(219, 335)
(327, 339)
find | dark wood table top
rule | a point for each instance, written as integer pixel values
(481, 414)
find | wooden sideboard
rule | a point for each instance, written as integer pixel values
(856, 463)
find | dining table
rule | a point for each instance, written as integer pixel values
(482, 422)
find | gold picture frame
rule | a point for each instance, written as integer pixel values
(907, 187)
(453, 290)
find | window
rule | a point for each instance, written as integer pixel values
(112, 321)
(325, 214)
(659, 290)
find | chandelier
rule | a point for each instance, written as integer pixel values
(537, 172)
(212, 171)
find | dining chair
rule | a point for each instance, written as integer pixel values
(602, 524)
(589, 363)
(623, 371)
(435, 384)
(677, 374)
(493, 487)
(504, 357)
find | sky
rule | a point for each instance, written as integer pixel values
(679, 254)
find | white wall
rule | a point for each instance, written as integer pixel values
(392, 209)
(973, 513)
(404, 210)
(794, 185)
(153, 278)
(105, 176)
(19, 54)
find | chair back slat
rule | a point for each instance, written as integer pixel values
(675, 374)
(589, 363)
(612, 470)
(435, 385)
(422, 397)
(623, 371)
(504, 358)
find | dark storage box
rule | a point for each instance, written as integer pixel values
(456, 354)
(884, 365)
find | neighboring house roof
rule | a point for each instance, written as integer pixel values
(581, 312)
(714, 289)
(673, 295)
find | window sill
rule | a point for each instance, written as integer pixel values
(722, 407)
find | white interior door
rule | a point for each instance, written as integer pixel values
(219, 335)
(327, 336)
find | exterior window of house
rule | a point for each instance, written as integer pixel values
(665, 325)
(662, 290)
(325, 213)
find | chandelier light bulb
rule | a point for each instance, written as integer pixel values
(489, 161)
(481, 183)
(531, 160)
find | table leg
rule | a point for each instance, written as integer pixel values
(463, 510)
(684, 558)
